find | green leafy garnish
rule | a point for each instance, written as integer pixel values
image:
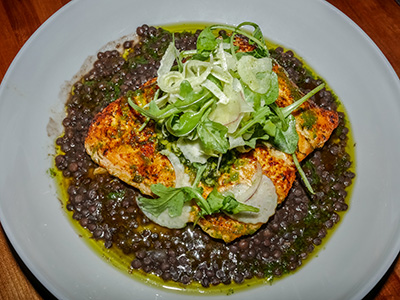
(214, 99)
(213, 137)
(189, 99)
(170, 199)
(153, 112)
(302, 174)
(255, 38)
(173, 199)
(286, 140)
(260, 116)
(187, 121)
(206, 41)
(227, 204)
(286, 111)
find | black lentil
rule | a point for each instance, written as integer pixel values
(107, 208)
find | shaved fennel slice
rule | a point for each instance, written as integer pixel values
(213, 88)
(245, 190)
(222, 74)
(167, 61)
(221, 57)
(260, 194)
(255, 72)
(225, 59)
(196, 72)
(160, 101)
(191, 150)
(165, 220)
(170, 82)
(230, 114)
(181, 177)
(235, 142)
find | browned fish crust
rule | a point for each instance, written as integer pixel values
(220, 226)
(115, 143)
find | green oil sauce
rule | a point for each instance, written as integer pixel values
(122, 261)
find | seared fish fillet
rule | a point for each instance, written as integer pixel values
(277, 165)
(116, 144)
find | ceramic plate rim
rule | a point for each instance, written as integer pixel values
(44, 273)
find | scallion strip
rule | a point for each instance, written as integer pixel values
(302, 174)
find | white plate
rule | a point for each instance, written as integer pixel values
(366, 241)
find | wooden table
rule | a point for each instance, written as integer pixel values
(380, 19)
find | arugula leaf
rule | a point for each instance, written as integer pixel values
(184, 124)
(173, 199)
(187, 121)
(196, 194)
(287, 140)
(153, 112)
(206, 42)
(215, 200)
(227, 204)
(258, 134)
(279, 119)
(259, 116)
(190, 98)
(200, 170)
(213, 136)
(256, 38)
(169, 198)
(286, 136)
(232, 206)
(270, 128)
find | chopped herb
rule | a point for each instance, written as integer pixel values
(52, 173)
(309, 119)
(116, 195)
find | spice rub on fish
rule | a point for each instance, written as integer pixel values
(116, 142)
(119, 141)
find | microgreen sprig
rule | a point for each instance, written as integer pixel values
(256, 37)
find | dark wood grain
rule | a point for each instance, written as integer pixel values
(380, 19)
